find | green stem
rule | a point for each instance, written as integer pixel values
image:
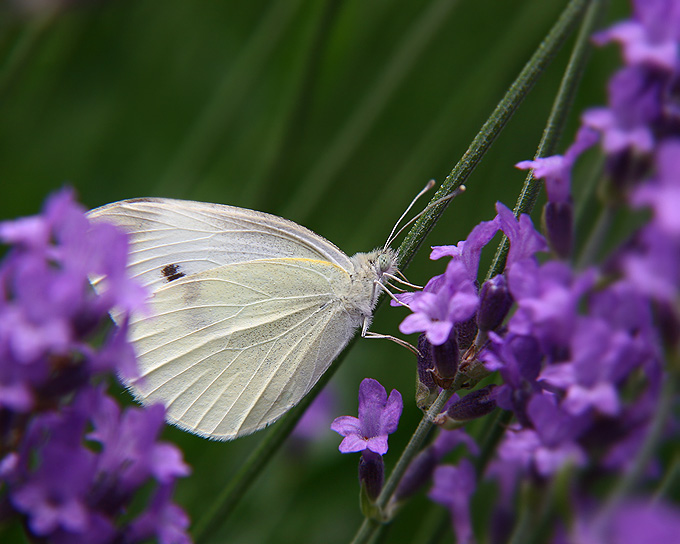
(539, 61)
(671, 480)
(369, 526)
(520, 534)
(597, 237)
(588, 193)
(556, 122)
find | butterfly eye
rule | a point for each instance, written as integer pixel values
(384, 262)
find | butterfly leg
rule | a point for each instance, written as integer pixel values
(365, 333)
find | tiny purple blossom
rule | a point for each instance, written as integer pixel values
(518, 358)
(556, 169)
(634, 104)
(53, 497)
(469, 251)
(651, 37)
(548, 298)
(523, 451)
(314, 422)
(129, 447)
(525, 240)
(653, 265)
(453, 487)
(436, 311)
(378, 417)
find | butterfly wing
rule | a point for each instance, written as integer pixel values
(172, 239)
(231, 349)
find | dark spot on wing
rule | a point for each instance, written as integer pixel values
(172, 272)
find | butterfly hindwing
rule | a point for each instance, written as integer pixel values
(229, 350)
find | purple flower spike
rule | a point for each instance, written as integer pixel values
(72, 462)
(378, 416)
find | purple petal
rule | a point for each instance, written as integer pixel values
(168, 464)
(372, 399)
(389, 418)
(415, 323)
(438, 331)
(346, 425)
(377, 444)
(603, 397)
(353, 443)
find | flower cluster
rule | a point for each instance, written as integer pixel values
(71, 461)
(580, 352)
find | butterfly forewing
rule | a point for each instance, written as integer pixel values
(172, 239)
(229, 350)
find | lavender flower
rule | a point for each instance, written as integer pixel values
(495, 302)
(71, 462)
(556, 171)
(444, 301)
(525, 241)
(651, 37)
(378, 417)
(580, 356)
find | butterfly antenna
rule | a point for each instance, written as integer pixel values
(424, 190)
(454, 194)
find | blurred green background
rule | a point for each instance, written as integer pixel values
(332, 114)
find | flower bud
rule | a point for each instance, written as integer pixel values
(371, 474)
(466, 332)
(426, 389)
(494, 303)
(558, 224)
(473, 405)
(446, 357)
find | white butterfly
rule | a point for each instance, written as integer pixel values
(247, 310)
